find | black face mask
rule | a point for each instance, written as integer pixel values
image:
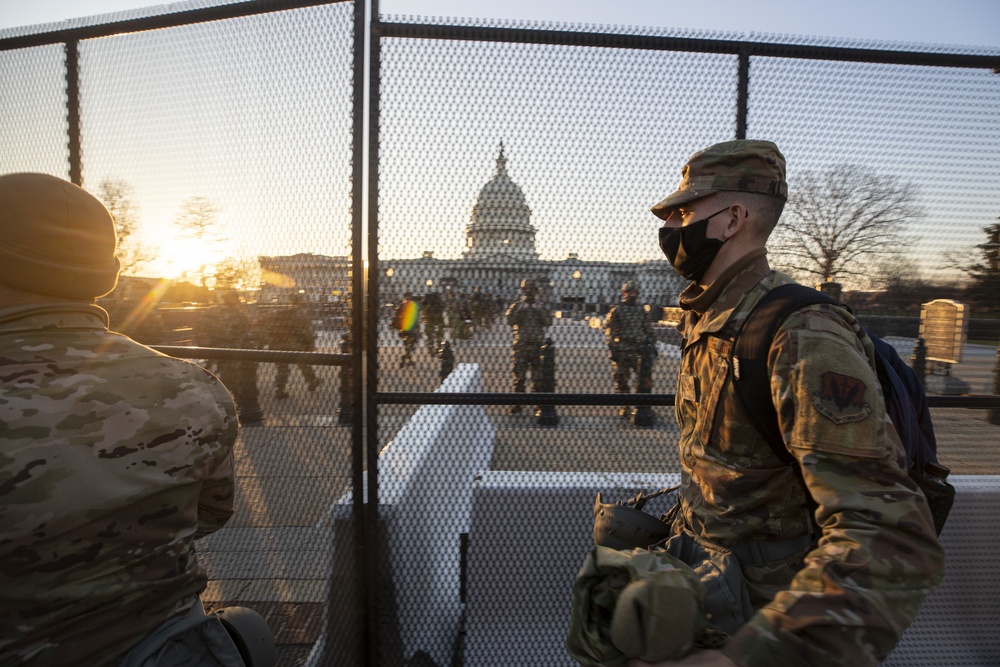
(689, 249)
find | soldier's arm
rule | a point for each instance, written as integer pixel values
(544, 316)
(611, 328)
(878, 555)
(647, 327)
(215, 502)
(513, 313)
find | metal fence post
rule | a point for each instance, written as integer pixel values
(994, 415)
(643, 415)
(547, 413)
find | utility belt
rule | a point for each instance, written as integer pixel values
(727, 602)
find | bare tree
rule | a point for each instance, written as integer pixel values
(843, 222)
(237, 273)
(198, 217)
(984, 290)
(119, 198)
(197, 220)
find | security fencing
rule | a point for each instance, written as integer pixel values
(239, 153)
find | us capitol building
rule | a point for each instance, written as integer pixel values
(500, 252)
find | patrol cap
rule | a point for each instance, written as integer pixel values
(55, 238)
(740, 166)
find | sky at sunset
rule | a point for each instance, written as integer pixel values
(230, 113)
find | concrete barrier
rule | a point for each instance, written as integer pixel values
(531, 531)
(425, 499)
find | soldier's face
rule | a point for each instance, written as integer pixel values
(697, 210)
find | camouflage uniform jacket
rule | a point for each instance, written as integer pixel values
(627, 327)
(289, 328)
(847, 599)
(114, 459)
(530, 320)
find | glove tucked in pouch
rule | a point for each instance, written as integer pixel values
(634, 604)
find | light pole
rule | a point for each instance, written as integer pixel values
(576, 289)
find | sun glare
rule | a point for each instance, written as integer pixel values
(183, 259)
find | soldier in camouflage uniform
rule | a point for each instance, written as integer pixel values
(291, 329)
(628, 331)
(230, 325)
(530, 319)
(115, 457)
(844, 547)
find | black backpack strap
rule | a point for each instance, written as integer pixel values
(750, 349)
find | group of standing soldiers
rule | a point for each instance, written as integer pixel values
(458, 314)
(231, 325)
(627, 329)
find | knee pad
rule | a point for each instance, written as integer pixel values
(251, 634)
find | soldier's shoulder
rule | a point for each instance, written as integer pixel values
(830, 318)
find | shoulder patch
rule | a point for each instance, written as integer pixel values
(841, 398)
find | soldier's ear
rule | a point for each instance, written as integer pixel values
(737, 221)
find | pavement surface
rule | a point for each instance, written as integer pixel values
(275, 554)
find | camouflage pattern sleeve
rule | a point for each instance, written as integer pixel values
(514, 313)
(647, 327)
(215, 502)
(544, 316)
(878, 556)
(612, 328)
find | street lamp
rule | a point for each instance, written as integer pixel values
(576, 288)
(390, 296)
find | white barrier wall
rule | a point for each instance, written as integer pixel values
(425, 495)
(531, 531)
(530, 534)
(425, 481)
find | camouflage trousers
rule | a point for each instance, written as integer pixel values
(410, 340)
(281, 381)
(435, 334)
(196, 639)
(527, 356)
(623, 365)
(240, 378)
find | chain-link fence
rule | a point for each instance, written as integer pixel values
(511, 168)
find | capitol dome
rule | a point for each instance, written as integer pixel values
(500, 223)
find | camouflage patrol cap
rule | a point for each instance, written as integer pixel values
(55, 238)
(630, 286)
(739, 166)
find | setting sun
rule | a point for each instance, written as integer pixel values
(182, 258)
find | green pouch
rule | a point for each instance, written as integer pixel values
(634, 604)
(727, 599)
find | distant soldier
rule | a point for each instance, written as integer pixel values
(628, 331)
(231, 326)
(530, 319)
(432, 316)
(291, 329)
(407, 323)
(459, 317)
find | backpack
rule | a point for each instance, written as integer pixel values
(905, 400)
